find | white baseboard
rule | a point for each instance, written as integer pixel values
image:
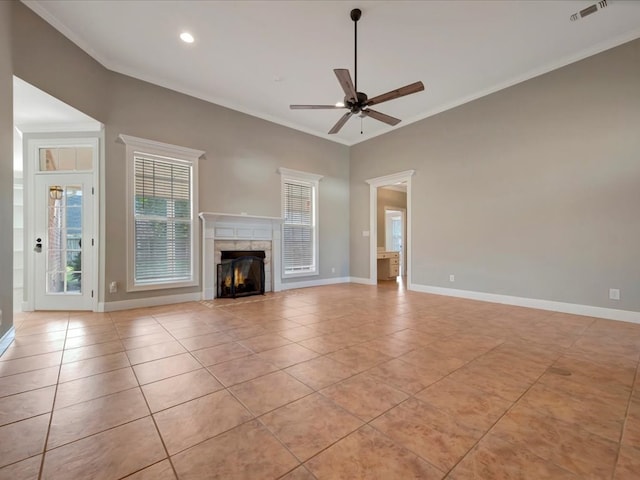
(7, 338)
(149, 302)
(362, 281)
(574, 308)
(314, 283)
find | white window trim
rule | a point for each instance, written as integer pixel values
(143, 146)
(314, 180)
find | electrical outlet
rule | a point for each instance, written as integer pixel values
(452, 278)
(614, 294)
(113, 287)
(333, 269)
(365, 233)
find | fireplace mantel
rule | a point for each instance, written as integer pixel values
(213, 216)
(233, 226)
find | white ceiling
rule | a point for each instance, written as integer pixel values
(258, 57)
(35, 110)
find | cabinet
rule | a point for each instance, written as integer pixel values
(388, 265)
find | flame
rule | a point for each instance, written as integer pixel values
(239, 277)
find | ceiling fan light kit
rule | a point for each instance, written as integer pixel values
(358, 102)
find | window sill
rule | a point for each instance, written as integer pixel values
(161, 286)
(300, 274)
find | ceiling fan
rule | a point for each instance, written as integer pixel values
(357, 102)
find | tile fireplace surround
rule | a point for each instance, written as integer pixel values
(228, 231)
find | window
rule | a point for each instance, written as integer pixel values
(65, 158)
(300, 226)
(162, 210)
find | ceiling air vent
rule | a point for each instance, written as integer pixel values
(589, 10)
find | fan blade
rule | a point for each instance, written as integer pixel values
(393, 94)
(388, 119)
(345, 82)
(313, 107)
(343, 119)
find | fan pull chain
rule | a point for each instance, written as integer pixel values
(360, 125)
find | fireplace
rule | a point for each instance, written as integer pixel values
(228, 231)
(240, 273)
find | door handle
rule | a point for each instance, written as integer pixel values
(38, 247)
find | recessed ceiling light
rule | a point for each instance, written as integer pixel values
(186, 37)
(339, 104)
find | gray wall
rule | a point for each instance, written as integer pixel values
(387, 198)
(532, 191)
(239, 173)
(46, 59)
(6, 169)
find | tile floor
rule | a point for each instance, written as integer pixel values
(336, 382)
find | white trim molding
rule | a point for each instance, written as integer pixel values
(148, 302)
(315, 283)
(159, 148)
(374, 184)
(299, 175)
(573, 308)
(361, 281)
(7, 338)
(391, 179)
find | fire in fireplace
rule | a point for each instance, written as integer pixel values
(240, 273)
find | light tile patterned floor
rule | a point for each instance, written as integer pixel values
(336, 382)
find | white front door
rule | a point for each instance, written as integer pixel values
(63, 241)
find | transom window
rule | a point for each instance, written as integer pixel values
(64, 158)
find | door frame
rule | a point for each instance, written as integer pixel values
(374, 184)
(34, 142)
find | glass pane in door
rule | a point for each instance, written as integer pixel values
(64, 240)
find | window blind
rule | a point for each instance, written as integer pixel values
(162, 220)
(298, 228)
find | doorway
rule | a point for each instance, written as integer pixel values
(61, 238)
(393, 180)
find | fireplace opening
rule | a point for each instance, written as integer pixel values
(240, 273)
